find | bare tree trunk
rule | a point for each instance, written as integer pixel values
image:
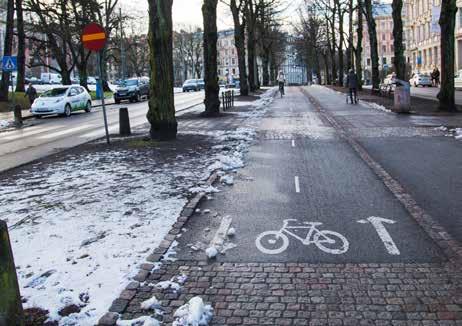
(212, 90)
(265, 63)
(447, 23)
(350, 36)
(328, 80)
(359, 46)
(7, 48)
(399, 60)
(161, 114)
(373, 44)
(239, 40)
(341, 66)
(21, 47)
(251, 44)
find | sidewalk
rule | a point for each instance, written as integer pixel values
(420, 104)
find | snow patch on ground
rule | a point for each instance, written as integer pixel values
(5, 123)
(375, 106)
(193, 313)
(150, 304)
(211, 252)
(141, 321)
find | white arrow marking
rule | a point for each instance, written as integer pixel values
(377, 223)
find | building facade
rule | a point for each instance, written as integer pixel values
(228, 66)
(384, 28)
(422, 35)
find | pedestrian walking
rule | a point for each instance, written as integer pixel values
(437, 77)
(352, 83)
(31, 94)
(281, 82)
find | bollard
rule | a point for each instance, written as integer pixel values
(17, 116)
(223, 101)
(11, 313)
(124, 122)
(232, 98)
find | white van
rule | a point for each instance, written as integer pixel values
(49, 78)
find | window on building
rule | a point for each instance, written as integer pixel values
(384, 48)
(233, 61)
(384, 61)
(368, 61)
(234, 71)
(383, 37)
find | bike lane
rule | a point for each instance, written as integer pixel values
(301, 169)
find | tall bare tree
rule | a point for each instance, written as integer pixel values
(359, 45)
(371, 27)
(21, 47)
(161, 114)
(212, 90)
(447, 23)
(7, 48)
(399, 61)
(237, 8)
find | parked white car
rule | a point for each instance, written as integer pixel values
(419, 79)
(62, 100)
(458, 79)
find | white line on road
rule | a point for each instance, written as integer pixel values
(297, 184)
(293, 142)
(219, 237)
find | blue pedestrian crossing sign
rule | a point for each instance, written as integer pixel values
(9, 63)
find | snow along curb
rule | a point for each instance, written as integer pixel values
(119, 304)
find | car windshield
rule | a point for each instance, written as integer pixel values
(56, 92)
(188, 82)
(130, 82)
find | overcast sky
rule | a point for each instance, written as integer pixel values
(188, 12)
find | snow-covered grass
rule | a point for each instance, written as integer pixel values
(81, 226)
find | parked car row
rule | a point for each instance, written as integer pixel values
(133, 90)
(193, 85)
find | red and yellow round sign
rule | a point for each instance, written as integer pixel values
(94, 37)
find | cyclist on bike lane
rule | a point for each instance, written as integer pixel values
(281, 81)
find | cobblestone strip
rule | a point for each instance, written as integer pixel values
(146, 269)
(311, 294)
(451, 247)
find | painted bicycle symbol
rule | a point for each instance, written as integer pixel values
(276, 242)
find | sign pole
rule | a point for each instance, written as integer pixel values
(94, 38)
(99, 54)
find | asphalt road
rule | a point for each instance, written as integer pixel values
(52, 134)
(301, 169)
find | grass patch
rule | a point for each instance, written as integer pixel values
(106, 95)
(20, 99)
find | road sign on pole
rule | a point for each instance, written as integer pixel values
(9, 63)
(94, 38)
